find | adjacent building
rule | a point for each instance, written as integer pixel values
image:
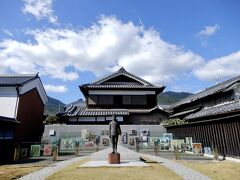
(212, 116)
(22, 99)
(131, 98)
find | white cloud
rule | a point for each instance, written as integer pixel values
(40, 9)
(7, 32)
(222, 68)
(204, 34)
(208, 31)
(55, 89)
(101, 48)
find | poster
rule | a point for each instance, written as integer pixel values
(132, 132)
(197, 148)
(105, 132)
(177, 143)
(35, 150)
(183, 147)
(124, 137)
(145, 145)
(23, 152)
(164, 140)
(143, 139)
(67, 144)
(144, 132)
(207, 150)
(89, 144)
(131, 142)
(152, 139)
(105, 141)
(189, 143)
(168, 136)
(47, 150)
(84, 133)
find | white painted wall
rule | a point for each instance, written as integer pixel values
(8, 101)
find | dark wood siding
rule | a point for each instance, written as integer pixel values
(30, 114)
(223, 134)
(121, 101)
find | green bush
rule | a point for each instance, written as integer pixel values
(52, 119)
(174, 121)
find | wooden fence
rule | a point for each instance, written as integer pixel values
(223, 134)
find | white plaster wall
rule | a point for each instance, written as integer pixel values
(8, 101)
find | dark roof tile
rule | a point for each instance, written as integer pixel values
(13, 80)
(218, 109)
(209, 91)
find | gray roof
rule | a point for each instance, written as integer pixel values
(99, 112)
(13, 80)
(105, 86)
(140, 83)
(122, 71)
(224, 86)
(218, 109)
(84, 111)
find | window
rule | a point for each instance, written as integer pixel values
(126, 100)
(1, 133)
(105, 100)
(134, 100)
(139, 100)
(6, 133)
(9, 133)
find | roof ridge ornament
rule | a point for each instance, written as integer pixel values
(122, 69)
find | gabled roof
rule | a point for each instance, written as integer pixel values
(221, 87)
(106, 83)
(122, 71)
(24, 83)
(14, 80)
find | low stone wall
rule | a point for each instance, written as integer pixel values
(63, 131)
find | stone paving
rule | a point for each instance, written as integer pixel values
(126, 154)
(47, 171)
(183, 171)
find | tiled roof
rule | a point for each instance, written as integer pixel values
(218, 109)
(13, 80)
(105, 86)
(84, 111)
(209, 91)
(145, 110)
(122, 71)
(98, 112)
(184, 112)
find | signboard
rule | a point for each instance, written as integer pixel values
(188, 143)
(35, 150)
(168, 136)
(47, 150)
(124, 137)
(67, 144)
(197, 148)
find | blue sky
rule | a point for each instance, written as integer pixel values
(184, 45)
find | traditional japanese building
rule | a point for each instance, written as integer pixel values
(22, 99)
(132, 99)
(212, 117)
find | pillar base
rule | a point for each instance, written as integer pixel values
(114, 158)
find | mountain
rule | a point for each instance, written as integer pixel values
(53, 106)
(171, 97)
